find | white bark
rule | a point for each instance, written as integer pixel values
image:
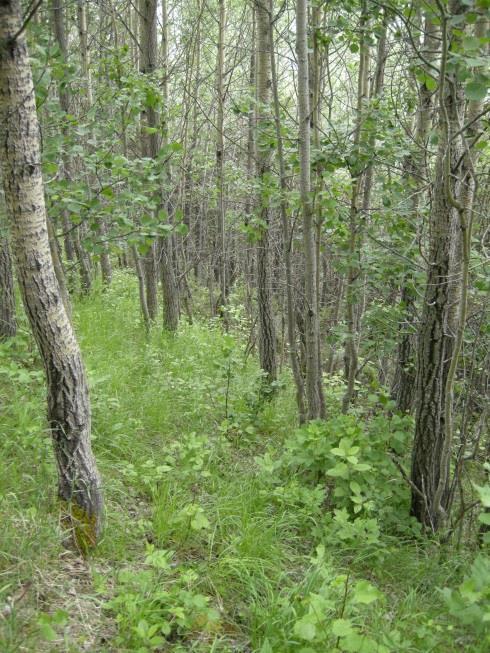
(69, 419)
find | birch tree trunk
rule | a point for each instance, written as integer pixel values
(314, 386)
(8, 325)
(105, 259)
(150, 141)
(58, 267)
(64, 96)
(358, 177)
(251, 165)
(170, 290)
(137, 260)
(79, 485)
(267, 336)
(286, 240)
(220, 180)
(318, 16)
(191, 209)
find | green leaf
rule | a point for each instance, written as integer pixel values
(340, 470)
(363, 467)
(476, 90)
(60, 617)
(366, 593)
(47, 632)
(356, 643)
(484, 494)
(430, 82)
(342, 627)
(305, 629)
(434, 138)
(471, 43)
(343, 449)
(425, 78)
(142, 628)
(355, 487)
(157, 641)
(199, 521)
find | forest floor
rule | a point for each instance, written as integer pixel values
(214, 540)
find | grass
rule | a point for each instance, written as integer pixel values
(197, 555)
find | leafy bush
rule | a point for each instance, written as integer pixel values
(327, 611)
(470, 602)
(342, 467)
(157, 603)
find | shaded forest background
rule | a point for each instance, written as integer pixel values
(258, 233)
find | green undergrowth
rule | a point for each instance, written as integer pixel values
(227, 528)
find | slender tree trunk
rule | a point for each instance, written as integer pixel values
(314, 386)
(8, 324)
(334, 322)
(134, 22)
(445, 302)
(286, 240)
(105, 260)
(170, 289)
(357, 176)
(376, 92)
(267, 336)
(67, 239)
(150, 141)
(73, 242)
(190, 206)
(58, 267)
(251, 167)
(415, 171)
(79, 486)
(138, 265)
(171, 314)
(220, 180)
(316, 72)
(140, 275)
